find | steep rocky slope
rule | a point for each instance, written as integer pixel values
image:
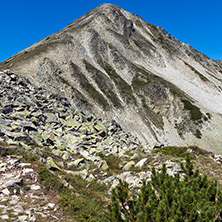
(115, 65)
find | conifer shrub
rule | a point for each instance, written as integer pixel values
(166, 198)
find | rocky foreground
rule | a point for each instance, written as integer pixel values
(40, 130)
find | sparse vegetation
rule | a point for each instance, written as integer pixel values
(168, 198)
(84, 202)
(86, 85)
(173, 151)
(182, 151)
(103, 82)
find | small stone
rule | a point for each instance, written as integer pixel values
(4, 217)
(35, 187)
(22, 218)
(18, 209)
(13, 161)
(109, 179)
(84, 173)
(12, 183)
(24, 164)
(114, 184)
(32, 217)
(51, 164)
(135, 155)
(129, 165)
(76, 162)
(90, 177)
(141, 163)
(14, 200)
(103, 165)
(6, 191)
(27, 171)
(49, 206)
(60, 164)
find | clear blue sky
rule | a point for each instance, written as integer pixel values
(197, 22)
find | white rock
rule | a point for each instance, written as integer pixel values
(4, 217)
(13, 182)
(109, 179)
(103, 165)
(6, 191)
(24, 164)
(3, 165)
(13, 161)
(27, 171)
(141, 163)
(90, 178)
(114, 184)
(18, 209)
(35, 187)
(49, 206)
(135, 155)
(32, 217)
(22, 218)
(14, 200)
(129, 165)
(78, 161)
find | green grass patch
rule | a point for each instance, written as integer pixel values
(173, 151)
(182, 151)
(84, 202)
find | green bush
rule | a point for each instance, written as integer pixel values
(168, 198)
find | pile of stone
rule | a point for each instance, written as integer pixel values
(33, 117)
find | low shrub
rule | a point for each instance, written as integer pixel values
(168, 198)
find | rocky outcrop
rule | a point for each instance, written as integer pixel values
(115, 65)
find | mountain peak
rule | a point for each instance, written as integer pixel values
(108, 5)
(113, 64)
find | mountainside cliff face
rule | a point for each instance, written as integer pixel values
(113, 64)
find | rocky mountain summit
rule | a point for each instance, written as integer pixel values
(113, 64)
(109, 97)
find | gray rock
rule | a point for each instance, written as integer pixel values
(4, 217)
(129, 165)
(13, 182)
(35, 187)
(109, 179)
(103, 165)
(90, 177)
(141, 163)
(5, 191)
(135, 155)
(51, 164)
(22, 218)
